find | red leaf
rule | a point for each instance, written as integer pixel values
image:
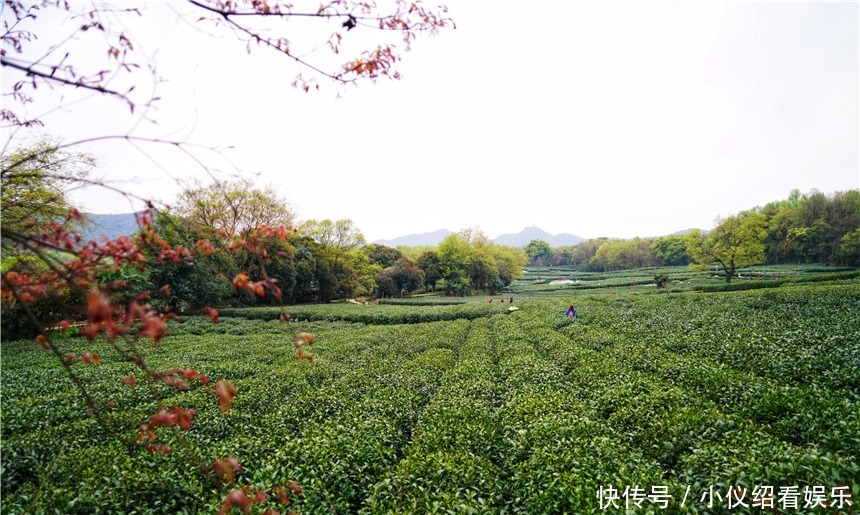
(240, 282)
(183, 417)
(282, 495)
(163, 418)
(153, 327)
(226, 467)
(164, 449)
(91, 358)
(235, 498)
(225, 392)
(98, 307)
(211, 313)
(175, 382)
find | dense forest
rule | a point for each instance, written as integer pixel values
(323, 260)
(804, 228)
(318, 261)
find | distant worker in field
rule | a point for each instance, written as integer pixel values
(512, 300)
(571, 312)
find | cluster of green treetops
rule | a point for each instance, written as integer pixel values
(811, 228)
(320, 261)
(324, 259)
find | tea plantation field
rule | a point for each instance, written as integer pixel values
(734, 402)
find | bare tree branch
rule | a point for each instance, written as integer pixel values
(59, 80)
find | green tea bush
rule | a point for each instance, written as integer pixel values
(371, 314)
(507, 413)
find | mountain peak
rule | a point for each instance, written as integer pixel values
(411, 240)
(533, 232)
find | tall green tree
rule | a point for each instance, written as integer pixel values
(581, 254)
(381, 255)
(623, 254)
(342, 269)
(35, 184)
(413, 251)
(538, 251)
(454, 263)
(670, 251)
(233, 206)
(428, 262)
(735, 242)
(342, 235)
(192, 284)
(509, 262)
(849, 247)
(36, 179)
(402, 277)
(483, 271)
(474, 236)
(809, 228)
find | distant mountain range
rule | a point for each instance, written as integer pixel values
(522, 238)
(413, 240)
(109, 226)
(125, 224)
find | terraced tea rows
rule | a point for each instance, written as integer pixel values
(673, 397)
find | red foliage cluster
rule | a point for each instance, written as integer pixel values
(300, 343)
(180, 379)
(225, 391)
(254, 242)
(243, 498)
(79, 268)
(175, 416)
(91, 358)
(136, 318)
(225, 468)
(373, 64)
(211, 313)
(122, 326)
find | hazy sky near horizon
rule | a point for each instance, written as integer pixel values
(597, 119)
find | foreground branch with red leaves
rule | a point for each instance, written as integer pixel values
(74, 265)
(68, 270)
(250, 21)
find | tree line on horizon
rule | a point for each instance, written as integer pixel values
(324, 259)
(802, 229)
(318, 261)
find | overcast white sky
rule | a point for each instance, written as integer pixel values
(597, 119)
